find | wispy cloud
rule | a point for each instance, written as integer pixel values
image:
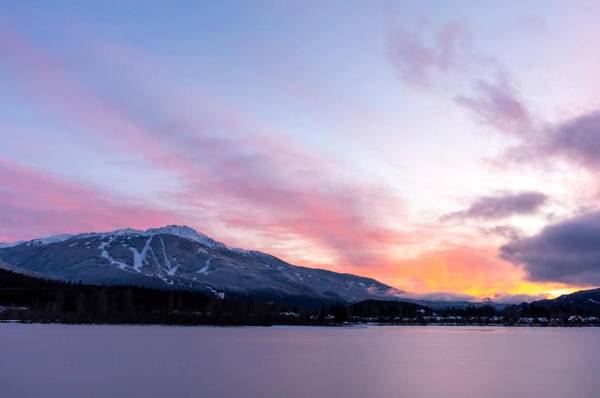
(420, 57)
(507, 232)
(575, 140)
(34, 203)
(501, 206)
(495, 103)
(252, 181)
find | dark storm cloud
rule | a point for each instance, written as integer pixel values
(566, 252)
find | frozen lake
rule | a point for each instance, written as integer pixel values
(155, 361)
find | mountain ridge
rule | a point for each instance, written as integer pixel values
(178, 257)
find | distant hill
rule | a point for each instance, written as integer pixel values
(582, 303)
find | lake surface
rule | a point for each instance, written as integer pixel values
(287, 362)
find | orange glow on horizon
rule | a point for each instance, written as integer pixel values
(476, 272)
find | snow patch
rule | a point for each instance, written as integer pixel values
(10, 244)
(185, 232)
(181, 231)
(49, 240)
(171, 270)
(104, 254)
(219, 295)
(139, 257)
(204, 270)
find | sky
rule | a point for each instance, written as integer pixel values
(445, 148)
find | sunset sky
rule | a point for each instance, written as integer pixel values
(442, 147)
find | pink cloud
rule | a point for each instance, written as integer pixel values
(257, 183)
(280, 191)
(34, 203)
(45, 79)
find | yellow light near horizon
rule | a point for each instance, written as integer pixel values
(462, 270)
(559, 292)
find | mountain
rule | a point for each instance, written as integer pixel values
(583, 302)
(178, 257)
(3, 244)
(440, 305)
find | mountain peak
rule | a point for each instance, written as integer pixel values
(49, 239)
(183, 231)
(174, 229)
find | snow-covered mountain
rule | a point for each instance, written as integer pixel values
(179, 257)
(11, 244)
